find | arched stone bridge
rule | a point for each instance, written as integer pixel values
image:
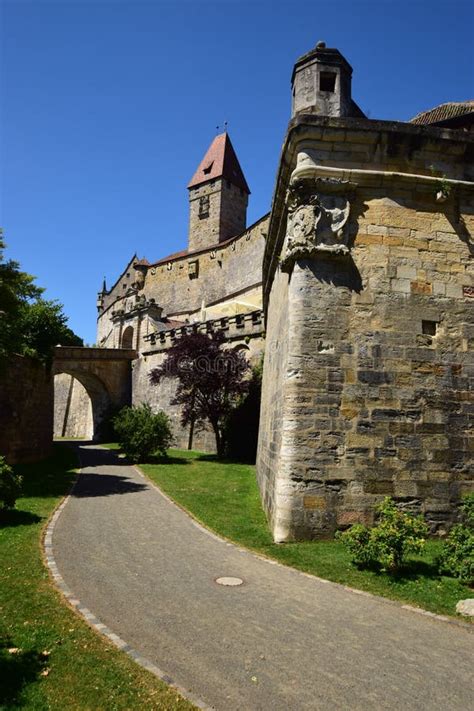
(104, 372)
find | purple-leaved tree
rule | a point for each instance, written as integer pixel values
(211, 380)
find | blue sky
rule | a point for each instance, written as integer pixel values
(108, 107)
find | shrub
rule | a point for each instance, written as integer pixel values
(457, 557)
(141, 432)
(389, 542)
(10, 485)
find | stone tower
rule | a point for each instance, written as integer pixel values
(321, 84)
(218, 196)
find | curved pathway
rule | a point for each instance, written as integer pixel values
(282, 640)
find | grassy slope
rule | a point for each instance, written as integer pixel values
(225, 498)
(60, 663)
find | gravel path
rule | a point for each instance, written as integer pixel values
(282, 640)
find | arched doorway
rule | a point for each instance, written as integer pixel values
(127, 337)
(82, 405)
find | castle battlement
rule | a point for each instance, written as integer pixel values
(237, 327)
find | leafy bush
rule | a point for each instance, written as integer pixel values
(457, 557)
(141, 432)
(389, 542)
(10, 485)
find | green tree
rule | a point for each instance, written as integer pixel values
(44, 325)
(17, 289)
(29, 324)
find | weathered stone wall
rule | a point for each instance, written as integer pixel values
(271, 447)
(26, 410)
(105, 374)
(72, 408)
(160, 397)
(241, 332)
(227, 272)
(374, 391)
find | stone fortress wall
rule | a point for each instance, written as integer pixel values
(368, 291)
(26, 409)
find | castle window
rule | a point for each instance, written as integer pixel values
(203, 207)
(228, 183)
(429, 328)
(193, 269)
(208, 169)
(327, 81)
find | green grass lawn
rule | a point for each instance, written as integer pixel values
(49, 657)
(224, 497)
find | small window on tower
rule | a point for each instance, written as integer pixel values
(208, 168)
(228, 183)
(203, 207)
(327, 81)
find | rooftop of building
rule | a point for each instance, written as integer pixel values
(220, 161)
(444, 112)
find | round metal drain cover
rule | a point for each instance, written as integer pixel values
(229, 581)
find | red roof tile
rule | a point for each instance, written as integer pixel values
(170, 257)
(220, 161)
(443, 112)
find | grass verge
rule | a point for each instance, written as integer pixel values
(224, 497)
(49, 657)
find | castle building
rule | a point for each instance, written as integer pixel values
(214, 284)
(368, 288)
(363, 275)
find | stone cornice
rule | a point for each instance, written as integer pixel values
(401, 141)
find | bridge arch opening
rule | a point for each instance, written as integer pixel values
(82, 404)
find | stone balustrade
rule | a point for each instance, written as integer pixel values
(235, 327)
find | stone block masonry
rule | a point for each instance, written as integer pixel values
(26, 410)
(243, 331)
(72, 408)
(369, 370)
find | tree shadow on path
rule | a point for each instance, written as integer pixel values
(90, 485)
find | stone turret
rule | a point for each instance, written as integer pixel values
(321, 84)
(218, 196)
(101, 294)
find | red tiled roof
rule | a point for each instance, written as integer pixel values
(142, 263)
(170, 257)
(217, 245)
(220, 161)
(444, 112)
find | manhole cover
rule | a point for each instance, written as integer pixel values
(229, 581)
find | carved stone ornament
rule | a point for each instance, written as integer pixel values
(317, 222)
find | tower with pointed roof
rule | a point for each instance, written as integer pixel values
(218, 196)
